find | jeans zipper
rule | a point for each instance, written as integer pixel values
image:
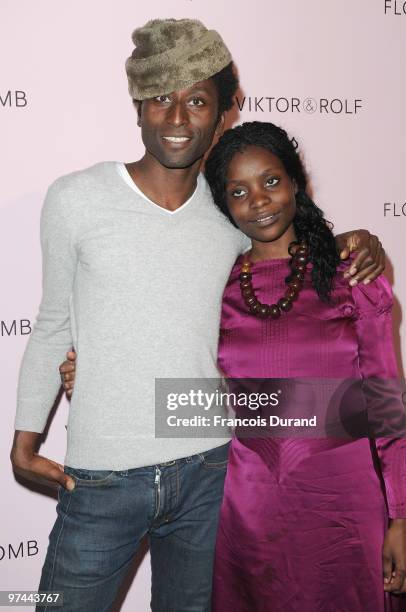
(157, 490)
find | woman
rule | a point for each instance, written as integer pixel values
(304, 521)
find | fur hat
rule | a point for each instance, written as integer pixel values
(173, 54)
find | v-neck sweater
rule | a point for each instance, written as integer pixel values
(137, 292)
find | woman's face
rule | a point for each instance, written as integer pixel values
(260, 194)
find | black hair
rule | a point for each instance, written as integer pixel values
(309, 222)
(226, 83)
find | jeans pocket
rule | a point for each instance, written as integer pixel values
(90, 478)
(217, 458)
(60, 491)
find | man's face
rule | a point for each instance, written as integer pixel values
(178, 128)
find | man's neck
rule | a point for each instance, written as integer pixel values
(167, 187)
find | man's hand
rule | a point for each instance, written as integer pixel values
(67, 370)
(370, 261)
(394, 557)
(28, 464)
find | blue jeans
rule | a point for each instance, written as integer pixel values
(102, 521)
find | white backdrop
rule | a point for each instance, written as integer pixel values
(332, 73)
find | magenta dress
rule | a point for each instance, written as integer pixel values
(303, 520)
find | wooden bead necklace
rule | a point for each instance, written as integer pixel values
(298, 264)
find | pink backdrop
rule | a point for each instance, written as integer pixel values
(331, 72)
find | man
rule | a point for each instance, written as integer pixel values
(136, 258)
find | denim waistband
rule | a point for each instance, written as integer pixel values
(192, 458)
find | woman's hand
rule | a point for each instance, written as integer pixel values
(67, 370)
(370, 261)
(394, 557)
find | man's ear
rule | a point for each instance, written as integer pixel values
(220, 125)
(137, 104)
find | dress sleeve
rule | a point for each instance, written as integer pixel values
(39, 379)
(382, 387)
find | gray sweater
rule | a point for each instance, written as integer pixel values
(136, 289)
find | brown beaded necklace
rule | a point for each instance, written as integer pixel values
(299, 253)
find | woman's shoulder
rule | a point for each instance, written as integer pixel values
(372, 298)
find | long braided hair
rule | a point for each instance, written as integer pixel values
(309, 222)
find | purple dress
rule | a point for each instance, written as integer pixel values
(303, 520)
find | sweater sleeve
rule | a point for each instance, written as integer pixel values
(382, 388)
(39, 379)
